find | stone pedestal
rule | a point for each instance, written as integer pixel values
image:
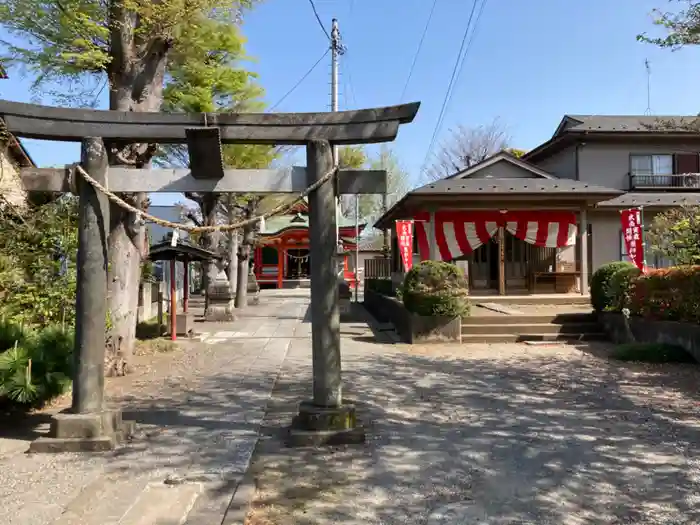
(253, 289)
(184, 324)
(221, 302)
(316, 426)
(92, 432)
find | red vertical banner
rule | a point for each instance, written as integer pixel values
(404, 232)
(633, 235)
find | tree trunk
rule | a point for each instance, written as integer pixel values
(244, 263)
(233, 260)
(136, 84)
(210, 241)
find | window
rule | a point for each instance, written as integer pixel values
(653, 260)
(652, 170)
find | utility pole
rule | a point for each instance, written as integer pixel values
(336, 50)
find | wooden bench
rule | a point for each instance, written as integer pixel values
(564, 279)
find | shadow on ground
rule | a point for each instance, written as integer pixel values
(541, 434)
(544, 438)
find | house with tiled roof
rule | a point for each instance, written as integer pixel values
(13, 157)
(544, 222)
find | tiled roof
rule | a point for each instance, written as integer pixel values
(511, 186)
(281, 222)
(633, 123)
(633, 199)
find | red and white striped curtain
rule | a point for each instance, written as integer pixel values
(459, 233)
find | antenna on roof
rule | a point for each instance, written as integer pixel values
(647, 65)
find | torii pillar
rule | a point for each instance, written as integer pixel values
(325, 419)
(88, 426)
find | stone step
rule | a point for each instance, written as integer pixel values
(161, 503)
(553, 299)
(531, 328)
(519, 338)
(562, 318)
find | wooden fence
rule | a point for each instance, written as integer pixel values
(379, 268)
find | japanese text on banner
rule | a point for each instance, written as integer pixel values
(404, 232)
(632, 231)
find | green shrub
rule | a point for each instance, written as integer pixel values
(600, 284)
(434, 288)
(651, 353)
(11, 333)
(380, 286)
(150, 329)
(667, 294)
(619, 287)
(38, 369)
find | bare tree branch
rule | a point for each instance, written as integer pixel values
(466, 147)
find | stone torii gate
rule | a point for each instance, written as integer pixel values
(323, 419)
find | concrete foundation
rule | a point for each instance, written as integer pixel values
(317, 426)
(93, 432)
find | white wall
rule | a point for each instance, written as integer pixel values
(168, 213)
(10, 183)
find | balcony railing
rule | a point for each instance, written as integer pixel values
(686, 181)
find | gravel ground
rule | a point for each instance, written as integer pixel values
(198, 411)
(518, 434)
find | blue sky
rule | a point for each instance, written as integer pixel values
(530, 62)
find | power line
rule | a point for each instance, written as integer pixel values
(420, 46)
(318, 18)
(348, 83)
(463, 49)
(300, 80)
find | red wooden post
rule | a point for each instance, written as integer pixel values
(173, 304)
(186, 292)
(280, 265)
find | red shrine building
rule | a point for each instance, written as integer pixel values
(282, 255)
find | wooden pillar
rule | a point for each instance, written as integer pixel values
(501, 260)
(583, 239)
(161, 321)
(173, 304)
(325, 314)
(257, 258)
(91, 306)
(186, 285)
(432, 240)
(281, 252)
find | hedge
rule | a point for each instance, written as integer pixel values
(600, 284)
(381, 286)
(435, 288)
(670, 294)
(619, 287)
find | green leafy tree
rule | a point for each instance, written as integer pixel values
(208, 77)
(675, 235)
(351, 157)
(682, 26)
(82, 46)
(38, 252)
(371, 206)
(517, 153)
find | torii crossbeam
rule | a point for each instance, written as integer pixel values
(324, 418)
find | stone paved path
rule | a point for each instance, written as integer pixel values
(489, 434)
(198, 415)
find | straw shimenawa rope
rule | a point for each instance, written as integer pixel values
(282, 208)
